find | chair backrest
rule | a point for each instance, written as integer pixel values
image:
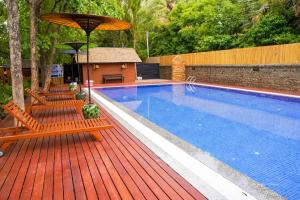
(24, 118)
(38, 97)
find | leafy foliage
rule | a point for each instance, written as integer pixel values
(204, 25)
(90, 111)
(80, 96)
(6, 93)
(174, 26)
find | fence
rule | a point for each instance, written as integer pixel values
(277, 54)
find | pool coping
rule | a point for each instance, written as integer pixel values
(246, 188)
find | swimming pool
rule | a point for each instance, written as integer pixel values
(256, 134)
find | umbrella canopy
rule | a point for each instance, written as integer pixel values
(71, 52)
(75, 45)
(86, 22)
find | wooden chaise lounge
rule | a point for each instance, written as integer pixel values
(44, 104)
(58, 93)
(68, 94)
(31, 128)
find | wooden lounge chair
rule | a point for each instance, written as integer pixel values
(58, 93)
(69, 94)
(33, 129)
(44, 104)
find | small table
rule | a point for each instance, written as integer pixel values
(113, 77)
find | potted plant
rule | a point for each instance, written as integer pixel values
(80, 95)
(90, 111)
(73, 86)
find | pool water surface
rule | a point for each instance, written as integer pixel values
(256, 134)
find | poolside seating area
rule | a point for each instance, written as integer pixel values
(45, 104)
(54, 164)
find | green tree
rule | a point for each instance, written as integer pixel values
(198, 26)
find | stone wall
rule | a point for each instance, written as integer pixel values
(281, 77)
(165, 72)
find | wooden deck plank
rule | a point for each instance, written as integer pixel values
(68, 187)
(37, 191)
(49, 168)
(5, 158)
(11, 176)
(78, 166)
(120, 185)
(58, 190)
(107, 179)
(138, 146)
(145, 183)
(31, 172)
(127, 179)
(9, 163)
(18, 184)
(144, 170)
(96, 178)
(76, 175)
(118, 139)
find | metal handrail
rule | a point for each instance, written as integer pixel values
(191, 79)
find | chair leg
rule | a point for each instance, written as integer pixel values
(78, 109)
(97, 135)
(28, 109)
(5, 145)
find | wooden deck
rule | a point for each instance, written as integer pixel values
(78, 167)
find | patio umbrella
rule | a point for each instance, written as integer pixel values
(76, 46)
(88, 23)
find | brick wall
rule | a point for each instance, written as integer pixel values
(178, 69)
(97, 72)
(282, 77)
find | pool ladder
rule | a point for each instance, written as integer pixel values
(191, 79)
(190, 87)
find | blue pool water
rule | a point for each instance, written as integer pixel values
(256, 134)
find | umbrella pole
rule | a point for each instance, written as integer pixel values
(88, 66)
(72, 68)
(79, 80)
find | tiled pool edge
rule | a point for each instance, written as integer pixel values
(244, 182)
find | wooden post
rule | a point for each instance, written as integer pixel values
(178, 69)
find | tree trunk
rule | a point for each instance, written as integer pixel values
(49, 65)
(34, 67)
(15, 53)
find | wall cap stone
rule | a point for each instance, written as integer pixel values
(248, 65)
(256, 65)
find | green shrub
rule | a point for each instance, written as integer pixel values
(5, 96)
(73, 86)
(80, 96)
(90, 111)
(6, 93)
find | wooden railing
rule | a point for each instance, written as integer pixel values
(277, 54)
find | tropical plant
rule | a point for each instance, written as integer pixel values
(90, 111)
(73, 86)
(5, 96)
(80, 95)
